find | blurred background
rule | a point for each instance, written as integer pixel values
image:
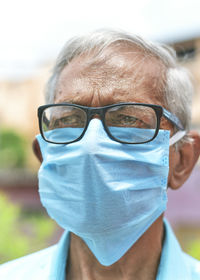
(32, 34)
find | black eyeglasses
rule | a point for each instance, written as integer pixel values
(128, 123)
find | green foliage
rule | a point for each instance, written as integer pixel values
(12, 149)
(18, 235)
(194, 249)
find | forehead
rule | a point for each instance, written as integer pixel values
(125, 75)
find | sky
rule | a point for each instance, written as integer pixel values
(33, 31)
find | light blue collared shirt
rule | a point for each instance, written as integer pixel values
(50, 263)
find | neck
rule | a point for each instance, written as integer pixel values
(140, 262)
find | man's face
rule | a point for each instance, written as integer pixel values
(123, 77)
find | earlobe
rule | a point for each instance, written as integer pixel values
(183, 161)
(36, 150)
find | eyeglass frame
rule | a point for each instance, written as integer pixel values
(159, 110)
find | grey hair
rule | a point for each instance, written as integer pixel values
(178, 89)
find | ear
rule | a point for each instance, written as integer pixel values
(36, 150)
(182, 162)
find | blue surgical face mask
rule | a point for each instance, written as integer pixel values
(105, 192)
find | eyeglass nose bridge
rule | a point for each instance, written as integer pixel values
(98, 113)
(92, 112)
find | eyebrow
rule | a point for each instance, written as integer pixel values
(67, 101)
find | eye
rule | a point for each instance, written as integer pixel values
(126, 121)
(74, 120)
(122, 120)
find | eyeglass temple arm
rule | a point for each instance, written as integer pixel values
(171, 117)
(179, 134)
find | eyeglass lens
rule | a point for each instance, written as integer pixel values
(62, 124)
(131, 123)
(126, 123)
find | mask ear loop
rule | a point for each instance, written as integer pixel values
(176, 137)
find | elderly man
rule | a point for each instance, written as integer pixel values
(114, 136)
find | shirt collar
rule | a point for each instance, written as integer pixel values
(171, 263)
(59, 259)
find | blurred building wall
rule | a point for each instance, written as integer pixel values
(19, 100)
(188, 52)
